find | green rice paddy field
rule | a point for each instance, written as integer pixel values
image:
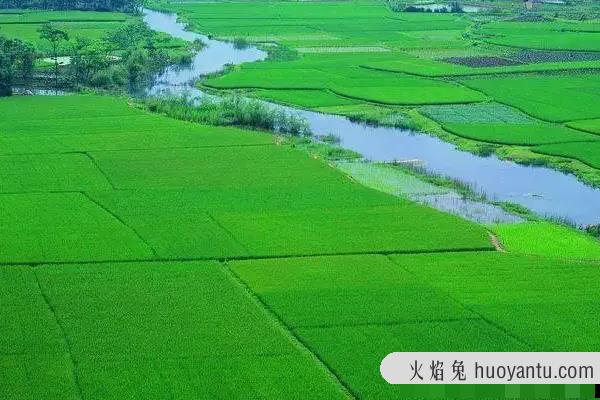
(542, 70)
(143, 257)
(189, 261)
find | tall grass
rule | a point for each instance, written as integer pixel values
(232, 111)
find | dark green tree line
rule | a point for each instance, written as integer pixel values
(16, 62)
(89, 5)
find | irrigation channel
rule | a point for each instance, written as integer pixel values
(543, 190)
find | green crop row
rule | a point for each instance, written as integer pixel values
(519, 134)
(305, 98)
(433, 68)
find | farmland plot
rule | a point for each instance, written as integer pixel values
(545, 239)
(353, 83)
(114, 320)
(587, 153)
(201, 200)
(66, 227)
(544, 35)
(212, 168)
(525, 295)
(551, 98)
(94, 123)
(372, 306)
(402, 228)
(492, 122)
(50, 172)
(155, 203)
(34, 360)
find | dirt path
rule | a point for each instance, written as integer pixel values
(496, 242)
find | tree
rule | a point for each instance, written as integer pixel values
(133, 6)
(16, 60)
(88, 57)
(54, 36)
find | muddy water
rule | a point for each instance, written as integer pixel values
(543, 190)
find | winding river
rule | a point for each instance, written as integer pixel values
(545, 191)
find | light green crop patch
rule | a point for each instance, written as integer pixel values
(400, 228)
(476, 113)
(56, 227)
(388, 179)
(497, 123)
(546, 239)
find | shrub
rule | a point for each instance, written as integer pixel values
(593, 230)
(240, 43)
(233, 110)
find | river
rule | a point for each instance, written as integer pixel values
(543, 190)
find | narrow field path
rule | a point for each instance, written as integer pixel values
(496, 242)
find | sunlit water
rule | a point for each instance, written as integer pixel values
(543, 190)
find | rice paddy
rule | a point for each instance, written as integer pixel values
(545, 239)
(146, 257)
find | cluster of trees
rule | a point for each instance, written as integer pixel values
(126, 57)
(16, 63)
(88, 5)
